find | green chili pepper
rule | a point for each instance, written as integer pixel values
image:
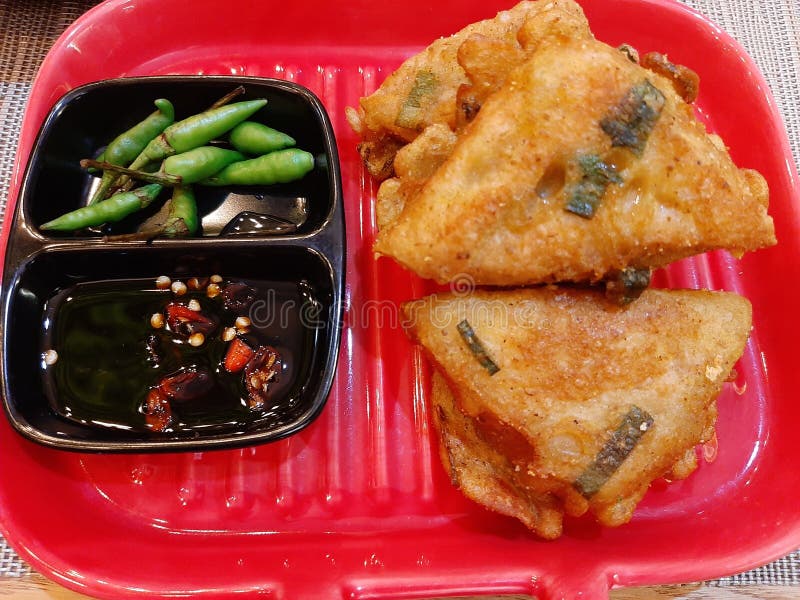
(256, 138)
(281, 166)
(200, 163)
(123, 149)
(196, 131)
(176, 218)
(182, 219)
(180, 169)
(114, 209)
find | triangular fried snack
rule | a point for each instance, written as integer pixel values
(426, 89)
(582, 164)
(422, 91)
(557, 401)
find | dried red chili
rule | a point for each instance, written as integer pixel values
(186, 384)
(185, 321)
(157, 410)
(260, 372)
(237, 356)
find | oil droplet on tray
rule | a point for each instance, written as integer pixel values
(140, 474)
(710, 449)
(373, 561)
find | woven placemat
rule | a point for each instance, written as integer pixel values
(770, 31)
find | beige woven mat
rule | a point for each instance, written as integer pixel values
(769, 30)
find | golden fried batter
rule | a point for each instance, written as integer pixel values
(482, 473)
(486, 62)
(414, 165)
(581, 164)
(436, 75)
(540, 437)
(422, 91)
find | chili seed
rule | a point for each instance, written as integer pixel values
(215, 279)
(163, 282)
(50, 357)
(194, 283)
(212, 291)
(178, 288)
(242, 323)
(157, 320)
(194, 305)
(228, 334)
(197, 339)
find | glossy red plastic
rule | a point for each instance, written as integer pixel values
(357, 505)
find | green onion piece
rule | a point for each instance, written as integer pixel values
(627, 285)
(586, 194)
(618, 447)
(630, 123)
(410, 115)
(475, 346)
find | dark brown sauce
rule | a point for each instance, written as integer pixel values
(110, 356)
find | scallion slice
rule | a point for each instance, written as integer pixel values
(476, 347)
(585, 195)
(410, 115)
(616, 449)
(630, 122)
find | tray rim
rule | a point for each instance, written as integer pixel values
(594, 588)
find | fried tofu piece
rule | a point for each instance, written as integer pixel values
(482, 473)
(422, 91)
(586, 402)
(582, 164)
(414, 165)
(486, 62)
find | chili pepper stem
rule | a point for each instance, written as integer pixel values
(106, 183)
(159, 178)
(236, 92)
(157, 149)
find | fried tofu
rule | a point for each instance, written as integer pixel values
(581, 164)
(586, 402)
(414, 164)
(422, 91)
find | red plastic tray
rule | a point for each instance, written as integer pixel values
(357, 505)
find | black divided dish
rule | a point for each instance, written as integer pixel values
(288, 237)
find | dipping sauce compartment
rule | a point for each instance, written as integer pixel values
(89, 298)
(110, 356)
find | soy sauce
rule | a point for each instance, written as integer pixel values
(110, 356)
